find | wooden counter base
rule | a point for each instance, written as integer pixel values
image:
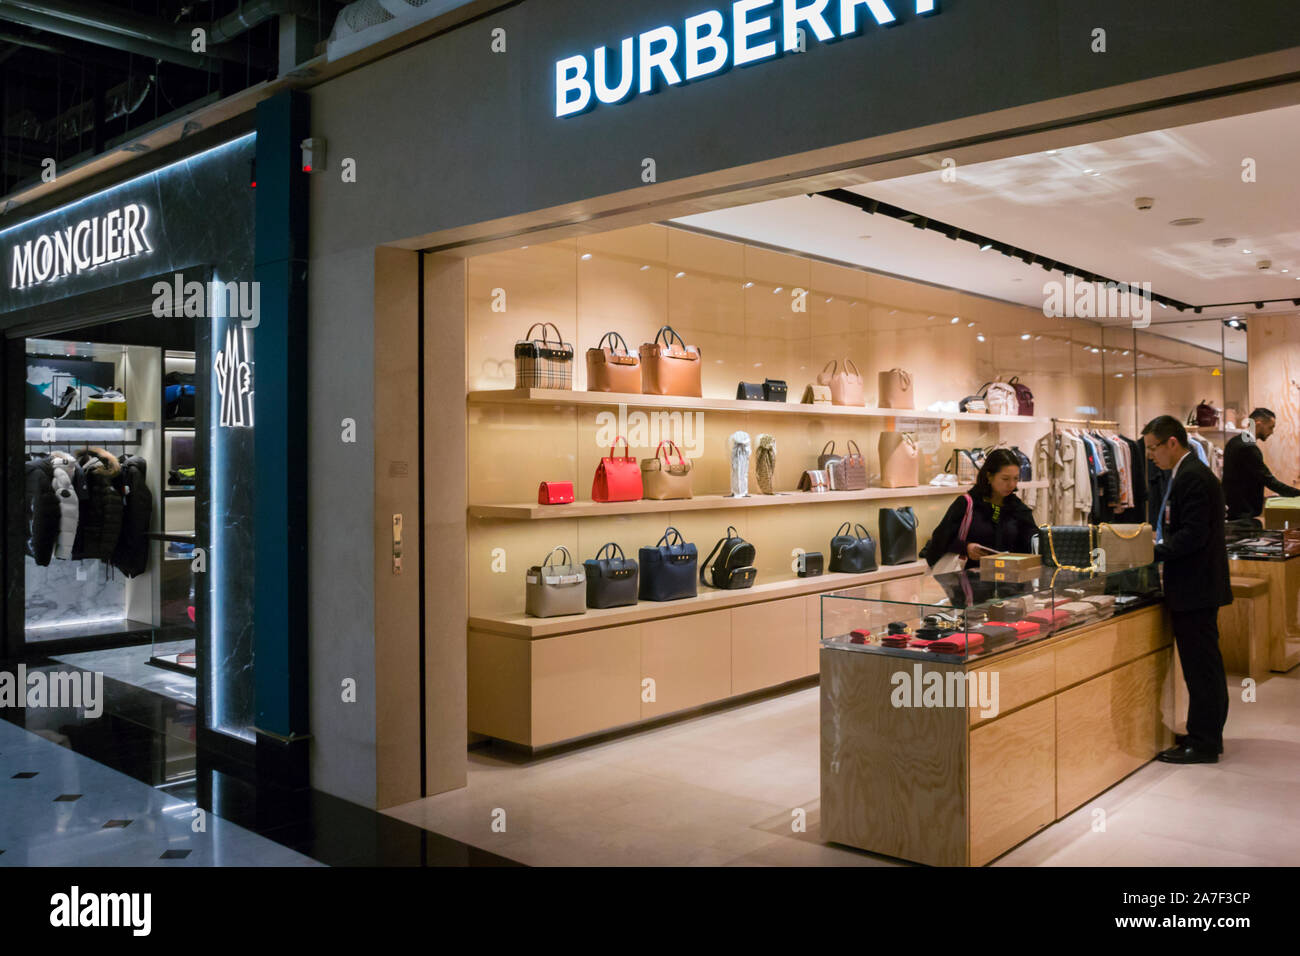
(948, 786)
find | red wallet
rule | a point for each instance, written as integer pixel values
(555, 493)
(1024, 629)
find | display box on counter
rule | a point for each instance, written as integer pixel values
(1010, 567)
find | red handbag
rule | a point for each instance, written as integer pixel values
(617, 478)
(555, 493)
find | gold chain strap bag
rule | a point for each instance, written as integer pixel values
(1067, 547)
(1127, 545)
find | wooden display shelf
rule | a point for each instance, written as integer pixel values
(588, 509)
(546, 396)
(521, 625)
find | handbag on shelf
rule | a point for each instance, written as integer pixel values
(774, 390)
(817, 395)
(897, 535)
(613, 368)
(900, 460)
(973, 405)
(1127, 545)
(895, 389)
(965, 463)
(541, 363)
(611, 581)
(845, 383)
(827, 456)
(1024, 396)
(1068, 547)
(552, 590)
(663, 479)
(749, 392)
(765, 463)
(734, 568)
(617, 478)
(1000, 398)
(1205, 415)
(555, 493)
(848, 472)
(814, 481)
(668, 569)
(853, 554)
(670, 366)
(810, 564)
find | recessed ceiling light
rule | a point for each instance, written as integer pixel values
(1286, 270)
(970, 325)
(986, 247)
(681, 275)
(1188, 221)
(829, 300)
(1245, 252)
(1224, 242)
(1095, 351)
(1025, 337)
(586, 256)
(979, 337)
(1052, 152)
(644, 268)
(1089, 172)
(1094, 174)
(955, 320)
(1119, 374)
(777, 289)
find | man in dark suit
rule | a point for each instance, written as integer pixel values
(1190, 542)
(1245, 476)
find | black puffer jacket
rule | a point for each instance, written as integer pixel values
(42, 510)
(132, 554)
(101, 506)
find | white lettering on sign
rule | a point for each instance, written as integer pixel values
(749, 31)
(89, 244)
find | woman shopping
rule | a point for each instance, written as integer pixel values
(988, 520)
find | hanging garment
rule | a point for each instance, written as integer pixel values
(100, 522)
(68, 486)
(131, 556)
(42, 510)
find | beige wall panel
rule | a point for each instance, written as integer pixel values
(1274, 370)
(585, 683)
(768, 644)
(1012, 780)
(778, 324)
(707, 305)
(397, 491)
(513, 448)
(1107, 728)
(689, 659)
(523, 544)
(616, 292)
(540, 285)
(500, 687)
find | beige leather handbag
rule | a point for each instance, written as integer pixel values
(817, 395)
(663, 478)
(551, 590)
(896, 389)
(845, 383)
(899, 460)
(670, 366)
(1127, 545)
(613, 367)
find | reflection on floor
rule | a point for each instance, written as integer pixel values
(112, 790)
(63, 809)
(130, 665)
(727, 789)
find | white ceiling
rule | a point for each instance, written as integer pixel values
(1052, 204)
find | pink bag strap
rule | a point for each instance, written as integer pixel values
(672, 445)
(965, 522)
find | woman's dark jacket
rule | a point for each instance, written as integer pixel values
(1014, 531)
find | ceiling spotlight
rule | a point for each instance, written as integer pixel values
(1095, 351)
(1295, 301)
(1286, 270)
(986, 247)
(1088, 172)
(1094, 173)
(1051, 152)
(1025, 337)
(1197, 310)
(644, 268)
(1125, 352)
(586, 256)
(1245, 252)
(1162, 305)
(830, 299)
(1119, 374)
(979, 337)
(777, 289)
(749, 285)
(1038, 338)
(681, 275)
(1259, 305)
(955, 320)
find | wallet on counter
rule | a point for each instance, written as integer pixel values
(1026, 629)
(961, 642)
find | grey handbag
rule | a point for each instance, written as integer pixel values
(554, 589)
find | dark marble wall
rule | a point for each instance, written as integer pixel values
(200, 225)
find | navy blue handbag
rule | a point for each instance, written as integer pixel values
(668, 569)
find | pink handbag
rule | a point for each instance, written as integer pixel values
(895, 389)
(899, 460)
(845, 385)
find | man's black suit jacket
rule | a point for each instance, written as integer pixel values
(1194, 550)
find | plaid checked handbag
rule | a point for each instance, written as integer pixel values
(543, 363)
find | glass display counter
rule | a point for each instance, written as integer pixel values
(964, 616)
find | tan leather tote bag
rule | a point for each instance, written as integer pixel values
(899, 460)
(845, 383)
(613, 367)
(896, 389)
(670, 367)
(665, 478)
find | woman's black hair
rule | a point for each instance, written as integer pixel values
(998, 459)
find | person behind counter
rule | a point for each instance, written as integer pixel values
(1245, 476)
(1000, 521)
(1190, 541)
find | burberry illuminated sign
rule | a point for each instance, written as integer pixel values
(91, 243)
(709, 43)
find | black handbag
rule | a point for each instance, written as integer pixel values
(853, 554)
(1068, 546)
(749, 392)
(897, 535)
(734, 568)
(774, 390)
(668, 569)
(811, 564)
(611, 581)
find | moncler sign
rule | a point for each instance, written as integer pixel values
(91, 243)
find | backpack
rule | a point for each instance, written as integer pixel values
(734, 568)
(1024, 396)
(1000, 397)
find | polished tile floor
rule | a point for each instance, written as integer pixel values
(733, 787)
(130, 665)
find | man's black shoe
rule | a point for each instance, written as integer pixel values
(1181, 740)
(1186, 754)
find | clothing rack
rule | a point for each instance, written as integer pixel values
(1052, 475)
